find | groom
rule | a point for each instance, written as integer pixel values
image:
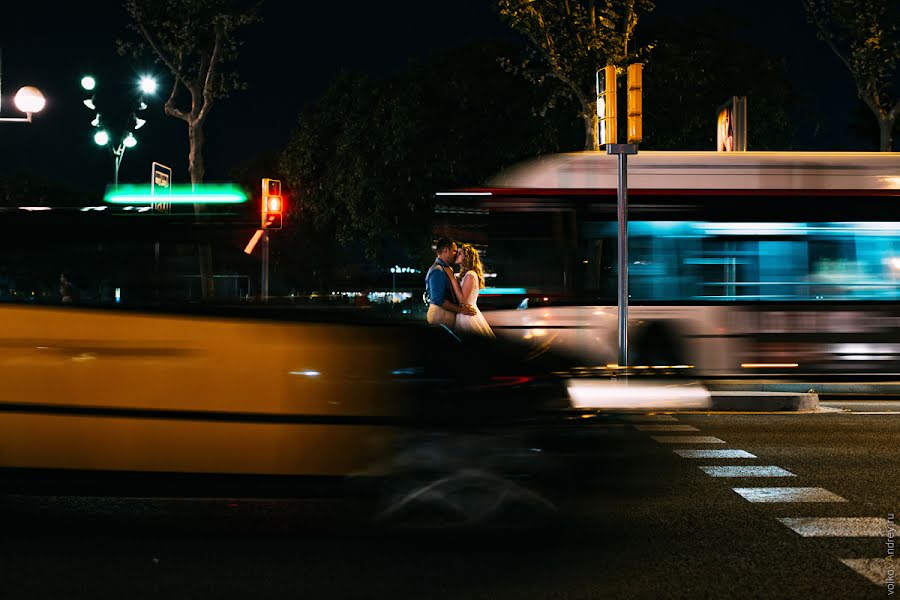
(443, 305)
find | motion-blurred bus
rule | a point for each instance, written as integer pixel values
(740, 264)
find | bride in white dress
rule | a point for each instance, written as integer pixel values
(471, 281)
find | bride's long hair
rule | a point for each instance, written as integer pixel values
(472, 262)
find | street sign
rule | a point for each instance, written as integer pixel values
(161, 177)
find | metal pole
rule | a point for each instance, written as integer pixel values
(622, 215)
(118, 160)
(265, 267)
(622, 151)
(156, 268)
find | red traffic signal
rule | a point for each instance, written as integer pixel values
(272, 204)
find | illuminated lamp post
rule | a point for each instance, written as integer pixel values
(146, 85)
(29, 100)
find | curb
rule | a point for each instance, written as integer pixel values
(763, 401)
(820, 387)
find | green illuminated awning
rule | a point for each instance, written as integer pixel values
(205, 193)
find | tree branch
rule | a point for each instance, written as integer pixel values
(208, 91)
(170, 108)
(175, 69)
(555, 69)
(827, 37)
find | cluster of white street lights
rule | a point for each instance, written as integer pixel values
(146, 85)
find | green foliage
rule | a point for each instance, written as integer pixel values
(865, 35)
(569, 40)
(30, 189)
(366, 158)
(195, 39)
(699, 66)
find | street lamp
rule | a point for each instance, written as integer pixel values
(29, 100)
(101, 138)
(146, 85)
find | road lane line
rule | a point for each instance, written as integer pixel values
(713, 453)
(876, 412)
(839, 526)
(753, 471)
(788, 494)
(665, 428)
(873, 569)
(687, 439)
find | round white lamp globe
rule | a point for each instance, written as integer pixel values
(29, 100)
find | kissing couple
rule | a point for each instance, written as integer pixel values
(453, 302)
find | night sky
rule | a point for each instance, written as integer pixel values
(289, 59)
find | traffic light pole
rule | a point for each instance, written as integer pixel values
(622, 151)
(264, 280)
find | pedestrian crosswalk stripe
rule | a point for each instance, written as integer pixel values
(752, 471)
(788, 494)
(839, 526)
(713, 453)
(687, 439)
(879, 571)
(648, 418)
(666, 428)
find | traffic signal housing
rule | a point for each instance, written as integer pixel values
(272, 204)
(607, 113)
(635, 103)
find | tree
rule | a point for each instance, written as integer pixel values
(865, 36)
(701, 65)
(197, 42)
(366, 158)
(569, 40)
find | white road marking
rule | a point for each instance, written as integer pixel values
(876, 412)
(754, 471)
(648, 418)
(839, 526)
(788, 494)
(713, 453)
(873, 569)
(666, 428)
(687, 439)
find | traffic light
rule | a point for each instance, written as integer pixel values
(635, 103)
(272, 204)
(606, 106)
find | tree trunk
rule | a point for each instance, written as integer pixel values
(197, 171)
(195, 155)
(886, 125)
(590, 131)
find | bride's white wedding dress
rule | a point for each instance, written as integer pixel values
(474, 324)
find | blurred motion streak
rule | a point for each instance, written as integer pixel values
(630, 395)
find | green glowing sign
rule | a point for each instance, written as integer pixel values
(207, 193)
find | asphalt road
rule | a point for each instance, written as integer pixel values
(661, 527)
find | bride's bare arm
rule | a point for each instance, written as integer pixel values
(467, 285)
